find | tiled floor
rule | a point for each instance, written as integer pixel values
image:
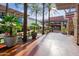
(55, 44)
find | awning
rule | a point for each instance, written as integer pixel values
(61, 6)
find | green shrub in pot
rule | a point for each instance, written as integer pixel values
(34, 28)
(10, 27)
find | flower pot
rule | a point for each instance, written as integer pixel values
(34, 35)
(9, 41)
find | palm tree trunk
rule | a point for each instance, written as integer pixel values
(6, 11)
(36, 16)
(25, 24)
(43, 18)
(10, 31)
(49, 19)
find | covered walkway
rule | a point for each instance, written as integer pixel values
(55, 44)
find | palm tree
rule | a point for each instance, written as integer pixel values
(50, 6)
(49, 9)
(43, 18)
(35, 8)
(25, 21)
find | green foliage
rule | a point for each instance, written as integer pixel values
(18, 26)
(35, 8)
(50, 5)
(10, 21)
(9, 18)
(1, 40)
(34, 26)
(63, 29)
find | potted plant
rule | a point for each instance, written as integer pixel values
(34, 34)
(50, 29)
(9, 25)
(34, 28)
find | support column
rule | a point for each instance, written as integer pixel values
(68, 23)
(67, 26)
(71, 27)
(77, 24)
(61, 26)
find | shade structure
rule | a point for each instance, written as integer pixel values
(60, 6)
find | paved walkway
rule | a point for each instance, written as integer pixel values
(55, 44)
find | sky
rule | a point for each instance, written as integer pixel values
(59, 13)
(53, 14)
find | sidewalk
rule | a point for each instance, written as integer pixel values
(55, 44)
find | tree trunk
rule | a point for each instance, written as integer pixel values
(43, 19)
(6, 11)
(11, 30)
(36, 16)
(25, 24)
(49, 19)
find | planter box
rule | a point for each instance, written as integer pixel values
(9, 41)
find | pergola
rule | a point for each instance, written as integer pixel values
(61, 6)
